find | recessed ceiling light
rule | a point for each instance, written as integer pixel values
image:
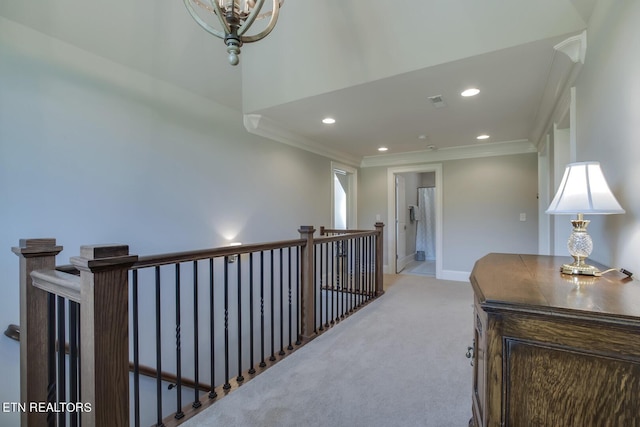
(470, 92)
(422, 136)
(483, 136)
(383, 149)
(328, 120)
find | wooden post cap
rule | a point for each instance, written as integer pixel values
(37, 247)
(103, 251)
(103, 257)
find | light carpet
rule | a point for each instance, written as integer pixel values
(400, 361)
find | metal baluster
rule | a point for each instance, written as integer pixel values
(318, 271)
(290, 347)
(351, 288)
(281, 353)
(327, 284)
(62, 380)
(73, 359)
(333, 283)
(239, 378)
(358, 272)
(136, 350)
(51, 356)
(368, 266)
(179, 414)
(273, 352)
(298, 342)
(252, 369)
(212, 393)
(196, 360)
(343, 274)
(315, 292)
(158, 352)
(262, 362)
(226, 385)
(371, 265)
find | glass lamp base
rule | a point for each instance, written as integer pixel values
(579, 268)
(580, 247)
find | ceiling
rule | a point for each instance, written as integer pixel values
(371, 72)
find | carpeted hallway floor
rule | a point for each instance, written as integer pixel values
(400, 361)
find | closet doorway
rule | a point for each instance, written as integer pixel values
(417, 248)
(424, 261)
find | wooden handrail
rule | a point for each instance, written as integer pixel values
(57, 283)
(324, 230)
(68, 268)
(100, 273)
(176, 257)
(354, 235)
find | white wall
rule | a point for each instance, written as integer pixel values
(608, 125)
(92, 152)
(483, 201)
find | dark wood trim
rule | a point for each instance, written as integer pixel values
(176, 257)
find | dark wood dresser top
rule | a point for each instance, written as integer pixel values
(533, 283)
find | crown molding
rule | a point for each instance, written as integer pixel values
(574, 47)
(554, 104)
(258, 124)
(455, 153)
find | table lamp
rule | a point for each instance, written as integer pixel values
(583, 190)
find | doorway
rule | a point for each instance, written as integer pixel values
(344, 197)
(405, 215)
(401, 224)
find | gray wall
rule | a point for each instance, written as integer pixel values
(482, 202)
(609, 132)
(91, 152)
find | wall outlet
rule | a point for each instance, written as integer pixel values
(523, 217)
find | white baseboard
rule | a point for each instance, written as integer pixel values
(453, 275)
(457, 276)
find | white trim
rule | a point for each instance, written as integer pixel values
(457, 276)
(574, 47)
(555, 101)
(257, 124)
(455, 153)
(391, 185)
(352, 210)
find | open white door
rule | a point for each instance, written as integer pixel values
(401, 224)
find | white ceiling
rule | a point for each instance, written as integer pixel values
(371, 69)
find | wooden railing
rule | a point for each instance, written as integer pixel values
(227, 314)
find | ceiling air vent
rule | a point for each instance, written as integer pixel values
(437, 101)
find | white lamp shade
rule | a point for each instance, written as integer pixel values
(584, 190)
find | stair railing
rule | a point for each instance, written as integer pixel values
(248, 306)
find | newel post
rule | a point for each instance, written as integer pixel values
(104, 334)
(34, 254)
(379, 257)
(307, 307)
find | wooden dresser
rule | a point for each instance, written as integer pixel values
(552, 349)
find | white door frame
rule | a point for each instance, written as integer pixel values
(352, 195)
(400, 233)
(391, 206)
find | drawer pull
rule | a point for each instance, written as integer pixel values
(470, 352)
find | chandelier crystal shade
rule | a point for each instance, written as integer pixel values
(232, 19)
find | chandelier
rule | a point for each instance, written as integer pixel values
(234, 17)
